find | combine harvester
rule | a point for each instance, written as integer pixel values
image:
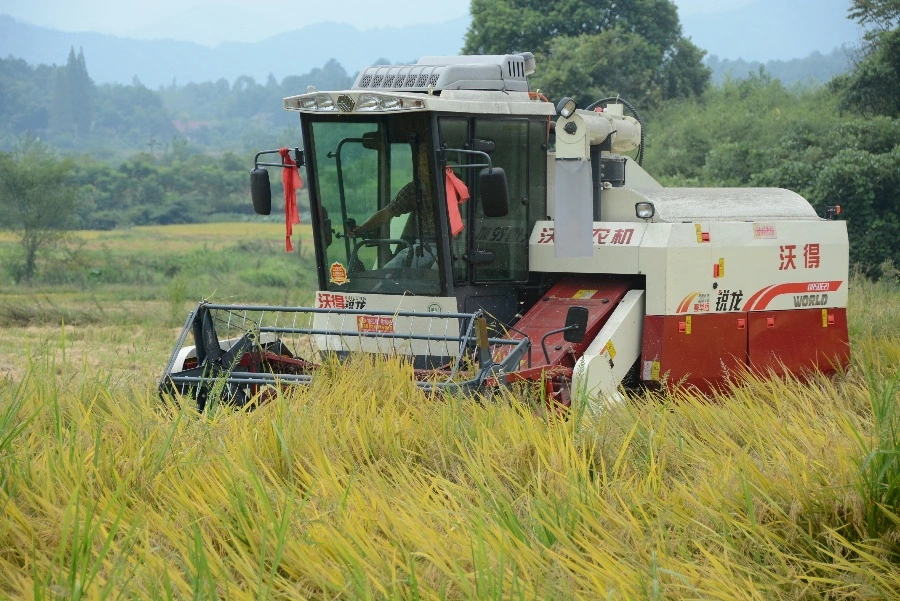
(464, 222)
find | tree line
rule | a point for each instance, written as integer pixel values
(64, 107)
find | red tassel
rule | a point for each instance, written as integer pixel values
(290, 178)
(457, 193)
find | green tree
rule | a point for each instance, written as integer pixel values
(883, 14)
(874, 83)
(589, 49)
(73, 97)
(758, 133)
(82, 90)
(36, 201)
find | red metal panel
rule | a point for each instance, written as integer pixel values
(799, 340)
(700, 352)
(599, 295)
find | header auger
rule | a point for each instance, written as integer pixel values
(462, 221)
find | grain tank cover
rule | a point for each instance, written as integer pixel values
(675, 205)
(507, 72)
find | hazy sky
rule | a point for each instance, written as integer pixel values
(209, 23)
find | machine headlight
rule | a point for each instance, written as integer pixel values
(317, 102)
(390, 103)
(566, 107)
(324, 102)
(369, 102)
(644, 210)
(377, 102)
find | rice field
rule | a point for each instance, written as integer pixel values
(362, 487)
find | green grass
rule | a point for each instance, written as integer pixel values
(121, 295)
(361, 486)
(94, 270)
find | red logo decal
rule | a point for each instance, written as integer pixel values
(760, 300)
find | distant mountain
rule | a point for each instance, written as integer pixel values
(815, 68)
(155, 63)
(765, 30)
(737, 39)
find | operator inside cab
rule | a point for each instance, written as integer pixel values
(375, 177)
(418, 231)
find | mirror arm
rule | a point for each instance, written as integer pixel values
(477, 153)
(298, 158)
(573, 326)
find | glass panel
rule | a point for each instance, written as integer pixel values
(505, 237)
(381, 241)
(455, 134)
(537, 172)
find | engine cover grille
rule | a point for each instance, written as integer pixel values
(436, 73)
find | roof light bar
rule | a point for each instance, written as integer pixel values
(365, 102)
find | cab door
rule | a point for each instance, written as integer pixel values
(500, 244)
(490, 257)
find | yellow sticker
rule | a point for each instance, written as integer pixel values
(585, 294)
(687, 327)
(654, 370)
(699, 232)
(338, 274)
(824, 318)
(722, 267)
(611, 350)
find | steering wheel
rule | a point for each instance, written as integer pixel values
(427, 251)
(356, 264)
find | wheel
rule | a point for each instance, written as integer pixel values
(356, 265)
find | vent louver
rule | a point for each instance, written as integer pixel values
(495, 72)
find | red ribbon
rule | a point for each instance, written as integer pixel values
(457, 193)
(290, 178)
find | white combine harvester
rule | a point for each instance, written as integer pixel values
(524, 226)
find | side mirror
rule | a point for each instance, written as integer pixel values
(261, 191)
(372, 141)
(576, 324)
(494, 192)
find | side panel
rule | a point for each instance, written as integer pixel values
(600, 296)
(798, 340)
(616, 247)
(700, 350)
(612, 353)
(770, 265)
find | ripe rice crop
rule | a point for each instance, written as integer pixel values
(361, 486)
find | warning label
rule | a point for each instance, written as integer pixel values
(610, 349)
(584, 294)
(764, 231)
(375, 325)
(650, 371)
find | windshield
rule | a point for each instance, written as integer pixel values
(374, 180)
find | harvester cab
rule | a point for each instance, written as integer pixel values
(461, 219)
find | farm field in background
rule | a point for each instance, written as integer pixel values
(124, 294)
(362, 487)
